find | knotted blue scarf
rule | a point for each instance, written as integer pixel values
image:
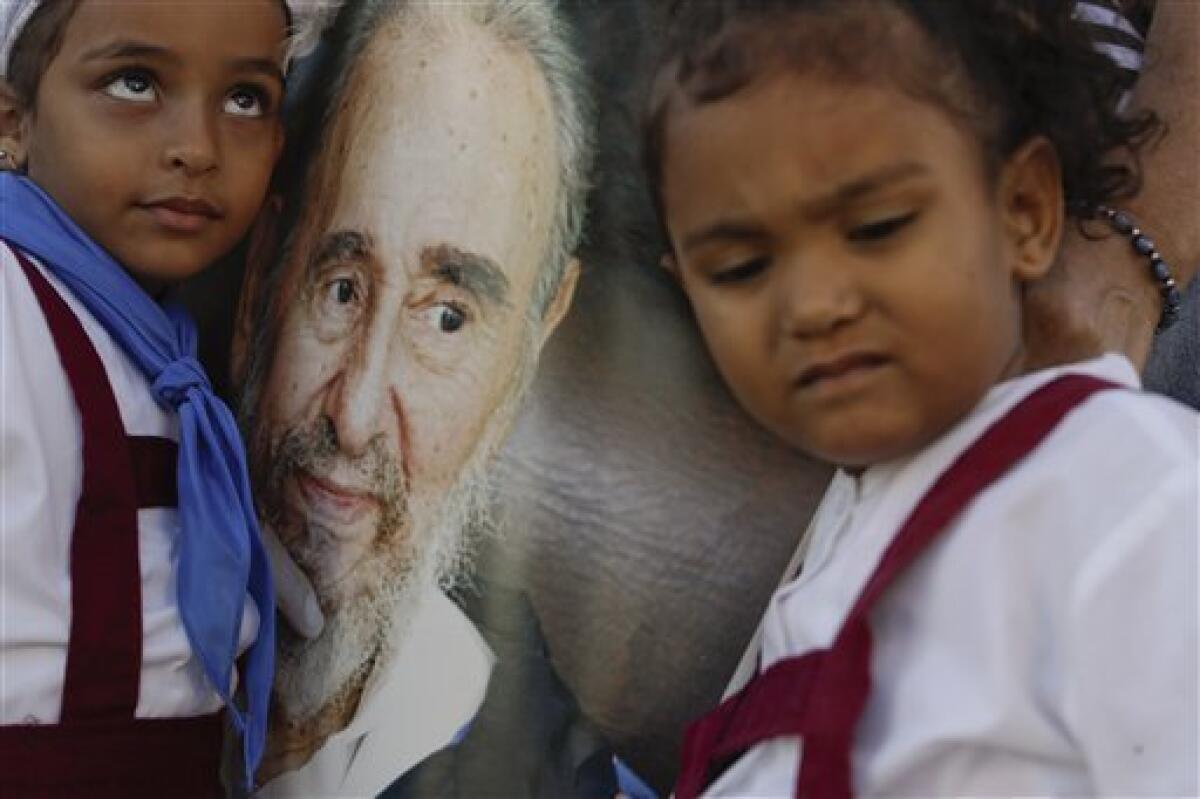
(221, 556)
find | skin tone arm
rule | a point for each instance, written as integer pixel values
(1100, 297)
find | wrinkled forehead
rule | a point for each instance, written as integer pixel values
(445, 136)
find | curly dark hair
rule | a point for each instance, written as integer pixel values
(1008, 69)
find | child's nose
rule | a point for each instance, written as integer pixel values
(819, 295)
(191, 144)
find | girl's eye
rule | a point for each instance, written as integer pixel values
(741, 272)
(246, 101)
(133, 86)
(448, 317)
(878, 231)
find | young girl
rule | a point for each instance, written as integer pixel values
(1000, 592)
(138, 140)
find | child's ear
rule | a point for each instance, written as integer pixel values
(1031, 200)
(260, 253)
(12, 128)
(670, 266)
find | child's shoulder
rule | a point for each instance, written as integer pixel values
(1112, 492)
(1118, 455)
(1137, 425)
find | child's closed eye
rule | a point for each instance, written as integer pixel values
(741, 272)
(881, 229)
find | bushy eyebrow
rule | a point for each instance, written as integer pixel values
(476, 273)
(341, 245)
(839, 196)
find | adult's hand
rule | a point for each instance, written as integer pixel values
(294, 594)
(1100, 297)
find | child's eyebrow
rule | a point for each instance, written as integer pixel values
(125, 48)
(722, 231)
(814, 207)
(855, 189)
(264, 66)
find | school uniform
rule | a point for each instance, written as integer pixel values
(1042, 641)
(99, 687)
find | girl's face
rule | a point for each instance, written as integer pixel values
(854, 271)
(156, 127)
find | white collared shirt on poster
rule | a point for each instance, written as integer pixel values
(1047, 643)
(413, 705)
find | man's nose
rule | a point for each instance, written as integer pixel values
(191, 142)
(359, 402)
(819, 293)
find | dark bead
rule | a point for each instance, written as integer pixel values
(1173, 297)
(1144, 245)
(1161, 270)
(1122, 223)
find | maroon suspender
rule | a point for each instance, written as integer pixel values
(820, 695)
(99, 748)
(104, 659)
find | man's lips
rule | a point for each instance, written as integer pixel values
(333, 502)
(182, 214)
(840, 368)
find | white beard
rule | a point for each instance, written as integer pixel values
(319, 676)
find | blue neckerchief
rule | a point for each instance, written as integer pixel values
(221, 556)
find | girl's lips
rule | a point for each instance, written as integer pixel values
(840, 367)
(182, 214)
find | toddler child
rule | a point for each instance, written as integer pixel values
(137, 141)
(1000, 592)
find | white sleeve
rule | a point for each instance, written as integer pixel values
(40, 477)
(1131, 647)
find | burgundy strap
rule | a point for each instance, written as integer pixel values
(820, 695)
(124, 759)
(154, 467)
(105, 651)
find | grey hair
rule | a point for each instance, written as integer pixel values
(534, 26)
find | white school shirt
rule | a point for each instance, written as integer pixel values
(41, 475)
(1046, 643)
(414, 704)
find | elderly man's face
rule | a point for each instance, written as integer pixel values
(405, 320)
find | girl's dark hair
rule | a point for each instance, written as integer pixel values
(1008, 69)
(36, 47)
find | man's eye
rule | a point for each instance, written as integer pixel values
(878, 231)
(135, 86)
(338, 304)
(341, 290)
(740, 273)
(448, 317)
(246, 101)
(340, 300)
